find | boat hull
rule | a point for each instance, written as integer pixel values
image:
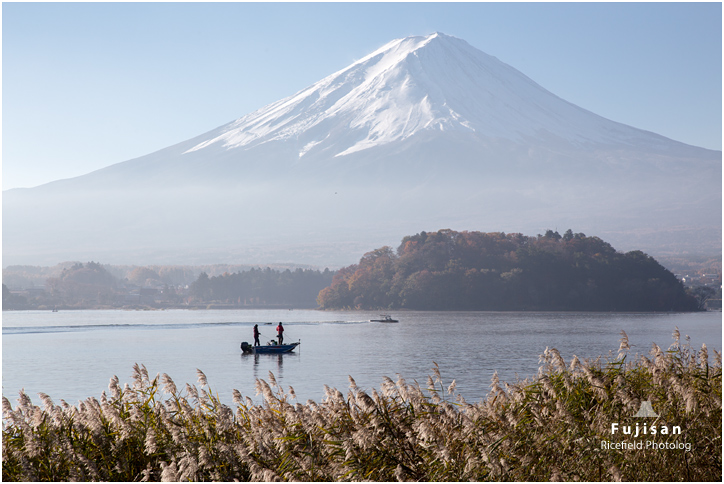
(268, 349)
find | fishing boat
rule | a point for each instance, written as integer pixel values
(384, 318)
(272, 349)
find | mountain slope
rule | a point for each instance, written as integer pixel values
(424, 133)
(418, 84)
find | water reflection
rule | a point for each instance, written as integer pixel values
(263, 364)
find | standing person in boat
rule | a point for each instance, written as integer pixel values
(280, 335)
(256, 335)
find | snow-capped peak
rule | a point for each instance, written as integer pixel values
(413, 85)
(370, 95)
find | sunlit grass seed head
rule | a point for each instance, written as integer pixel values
(201, 378)
(168, 384)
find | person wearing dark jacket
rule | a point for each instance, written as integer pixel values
(256, 335)
(280, 335)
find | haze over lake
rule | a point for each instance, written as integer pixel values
(425, 133)
(71, 355)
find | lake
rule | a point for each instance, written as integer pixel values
(71, 355)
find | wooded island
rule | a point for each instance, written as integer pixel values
(449, 270)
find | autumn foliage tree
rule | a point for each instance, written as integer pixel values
(84, 284)
(449, 270)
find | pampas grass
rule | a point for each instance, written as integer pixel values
(547, 428)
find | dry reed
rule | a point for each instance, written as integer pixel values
(549, 428)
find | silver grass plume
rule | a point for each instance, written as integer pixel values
(704, 357)
(263, 388)
(7, 407)
(677, 337)
(168, 385)
(430, 383)
(557, 359)
(615, 473)
(337, 396)
(388, 386)
(146, 473)
(575, 364)
(436, 372)
(451, 388)
(367, 403)
(169, 473)
(150, 442)
(402, 388)
(144, 373)
(140, 376)
(24, 401)
(47, 401)
(201, 378)
(188, 467)
(191, 389)
(624, 346)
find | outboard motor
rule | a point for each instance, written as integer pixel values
(246, 347)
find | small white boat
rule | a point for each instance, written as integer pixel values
(384, 318)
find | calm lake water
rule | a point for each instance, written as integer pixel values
(71, 355)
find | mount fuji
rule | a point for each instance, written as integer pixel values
(424, 133)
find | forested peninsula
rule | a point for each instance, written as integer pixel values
(449, 270)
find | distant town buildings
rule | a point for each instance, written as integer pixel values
(707, 280)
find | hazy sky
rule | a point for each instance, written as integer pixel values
(87, 85)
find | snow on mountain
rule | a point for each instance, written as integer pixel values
(417, 84)
(424, 133)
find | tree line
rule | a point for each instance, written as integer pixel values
(449, 270)
(93, 285)
(265, 287)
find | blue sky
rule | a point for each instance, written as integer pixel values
(87, 85)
